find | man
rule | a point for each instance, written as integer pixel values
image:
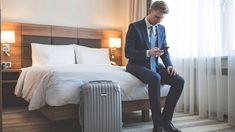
(145, 43)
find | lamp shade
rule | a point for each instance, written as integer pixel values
(8, 37)
(115, 42)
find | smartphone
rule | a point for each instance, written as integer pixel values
(165, 48)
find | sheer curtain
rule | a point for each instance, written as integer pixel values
(231, 62)
(195, 33)
(136, 10)
(231, 87)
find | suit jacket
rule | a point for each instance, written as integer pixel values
(137, 43)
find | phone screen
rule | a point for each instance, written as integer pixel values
(165, 48)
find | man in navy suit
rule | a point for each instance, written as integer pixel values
(145, 43)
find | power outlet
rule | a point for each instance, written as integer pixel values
(6, 65)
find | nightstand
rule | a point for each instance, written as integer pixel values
(9, 80)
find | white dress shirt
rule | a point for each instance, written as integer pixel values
(148, 25)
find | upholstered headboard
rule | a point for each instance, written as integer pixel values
(55, 35)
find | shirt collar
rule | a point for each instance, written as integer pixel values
(147, 23)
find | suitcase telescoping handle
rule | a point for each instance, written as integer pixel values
(100, 81)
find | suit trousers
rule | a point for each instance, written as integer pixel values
(154, 80)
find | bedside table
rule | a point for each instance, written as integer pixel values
(9, 80)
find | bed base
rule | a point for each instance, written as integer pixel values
(56, 113)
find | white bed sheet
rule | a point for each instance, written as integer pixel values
(60, 85)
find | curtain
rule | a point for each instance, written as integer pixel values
(197, 33)
(231, 61)
(231, 88)
(137, 10)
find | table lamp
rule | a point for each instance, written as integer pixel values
(113, 44)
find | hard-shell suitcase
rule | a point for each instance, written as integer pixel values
(100, 107)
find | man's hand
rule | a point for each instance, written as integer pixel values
(171, 70)
(155, 52)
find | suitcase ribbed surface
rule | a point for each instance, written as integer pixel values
(100, 109)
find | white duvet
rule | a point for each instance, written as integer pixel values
(60, 85)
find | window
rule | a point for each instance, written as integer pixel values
(197, 28)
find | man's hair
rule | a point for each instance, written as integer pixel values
(160, 5)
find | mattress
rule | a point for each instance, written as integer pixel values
(60, 85)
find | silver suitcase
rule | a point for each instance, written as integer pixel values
(100, 107)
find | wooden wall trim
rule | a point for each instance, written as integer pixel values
(15, 47)
(86, 33)
(59, 31)
(35, 29)
(106, 34)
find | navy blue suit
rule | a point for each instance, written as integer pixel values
(137, 43)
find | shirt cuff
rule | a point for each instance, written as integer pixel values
(170, 67)
(147, 53)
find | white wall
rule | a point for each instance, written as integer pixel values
(100, 14)
(80, 13)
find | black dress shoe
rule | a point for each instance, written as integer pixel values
(169, 127)
(158, 129)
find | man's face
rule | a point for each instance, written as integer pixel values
(155, 16)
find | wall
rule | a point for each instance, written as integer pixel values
(99, 14)
(77, 13)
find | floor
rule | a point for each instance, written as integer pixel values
(185, 122)
(18, 119)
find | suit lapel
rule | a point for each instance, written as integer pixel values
(158, 36)
(144, 33)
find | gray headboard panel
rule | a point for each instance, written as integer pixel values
(63, 41)
(93, 43)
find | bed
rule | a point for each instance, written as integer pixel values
(54, 35)
(60, 85)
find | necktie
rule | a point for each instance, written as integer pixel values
(152, 45)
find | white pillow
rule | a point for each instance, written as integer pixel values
(86, 55)
(43, 54)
